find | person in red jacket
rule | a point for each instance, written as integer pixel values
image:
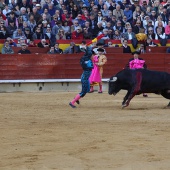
(77, 34)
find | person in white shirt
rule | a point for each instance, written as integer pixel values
(6, 10)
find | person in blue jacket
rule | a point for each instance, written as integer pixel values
(87, 67)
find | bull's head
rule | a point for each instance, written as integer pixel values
(113, 86)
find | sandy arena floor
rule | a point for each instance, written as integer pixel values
(40, 131)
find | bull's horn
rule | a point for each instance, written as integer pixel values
(114, 79)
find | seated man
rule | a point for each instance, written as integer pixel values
(57, 49)
(126, 48)
(6, 49)
(24, 49)
(71, 49)
(52, 50)
(43, 44)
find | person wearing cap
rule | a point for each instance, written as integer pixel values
(87, 67)
(99, 61)
(39, 9)
(24, 49)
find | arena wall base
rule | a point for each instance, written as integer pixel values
(46, 85)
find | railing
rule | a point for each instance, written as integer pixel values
(44, 66)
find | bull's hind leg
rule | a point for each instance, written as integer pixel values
(125, 98)
(166, 94)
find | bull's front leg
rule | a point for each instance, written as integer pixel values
(130, 94)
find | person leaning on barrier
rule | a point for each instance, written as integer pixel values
(52, 50)
(6, 49)
(24, 49)
(57, 49)
(71, 49)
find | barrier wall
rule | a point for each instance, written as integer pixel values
(43, 66)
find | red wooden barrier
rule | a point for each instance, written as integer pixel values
(43, 66)
(156, 49)
(33, 50)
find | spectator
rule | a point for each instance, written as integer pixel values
(11, 18)
(136, 13)
(11, 28)
(99, 17)
(87, 34)
(77, 35)
(56, 27)
(48, 16)
(31, 22)
(141, 49)
(37, 35)
(36, 15)
(71, 49)
(61, 35)
(39, 9)
(43, 44)
(138, 28)
(113, 21)
(6, 49)
(150, 43)
(98, 29)
(20, 42)
(129, 35)
(118, 26)
(74, 26)
(75, 11)
(23, 14)
(18, 34)
(24, 49)
(11, 42)
(117, 35)
(67, 30)
(118, 12)
(3, 33)
(80, 21)
(57, 49)
(105, 11)
(161, 37)
(31, 44)
(12, 4)
(151, 33)
(6, 10)
(126, 48)
(28, 34)
(52, 50)
(128, 13)
(167, 30)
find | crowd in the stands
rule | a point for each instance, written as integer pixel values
(54, 20)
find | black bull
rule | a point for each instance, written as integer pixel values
(139, 81)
